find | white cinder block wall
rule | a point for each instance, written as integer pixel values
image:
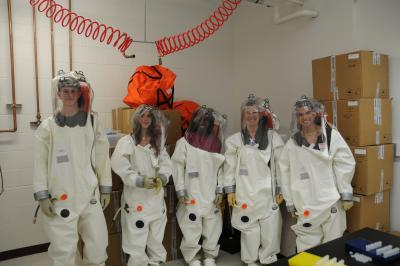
(250, 54)
(275, 60)
(204, 75)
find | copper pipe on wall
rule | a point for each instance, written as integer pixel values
(70, 40)
(38, 116)
(53, 71)
(14, 105)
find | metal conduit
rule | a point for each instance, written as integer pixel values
(38, 116)
(14, 105)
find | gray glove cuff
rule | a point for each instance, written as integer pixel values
(105, 189)
(290, 208)
(346, 196)
(164, 179)
(44, 194)
(140, 181)
(219, 190)
(230, 189)
(181, 193)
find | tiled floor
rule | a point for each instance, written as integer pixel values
(41, 259)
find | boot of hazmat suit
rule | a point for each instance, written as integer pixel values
(316, 167)
(252, 183)
(143, 164)
(72, 175)
(197, 173)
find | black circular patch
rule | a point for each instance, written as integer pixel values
(192, 217)
(139, 224)
(245, 219)
(64, 213)
(274, 207)
(307, 225)
(333, 210)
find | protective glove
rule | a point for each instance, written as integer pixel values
(160, 182)
(47, 207)
(218, 200)
(149, 182)
(163, 181)
(279, 198)
(105, 200)
(347, 204)
(158, 185)
(232, 199)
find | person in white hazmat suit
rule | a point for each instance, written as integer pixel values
(72, 175)
(252, 185)
(197, 174)
(142, 162)
(316, 167)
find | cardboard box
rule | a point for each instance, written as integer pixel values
(111, 210)
(122, 121)
(360, 74)
(370, 211)
(114, 250)
(362, 122)
(170, 149)
(172, 239)
(374, 169)
(117, 184)
(171, 200)
(395, 233)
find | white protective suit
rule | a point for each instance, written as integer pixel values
(313, 181)
(197, 175)
(248, 174)
(63, 171)
(143, 216)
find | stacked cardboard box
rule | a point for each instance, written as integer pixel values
(354, 88)
(173, 234)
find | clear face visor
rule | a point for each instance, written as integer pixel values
(206, 130)
(71, 90)
(308, 127)
(256, 120)
(274, 122)
(148, 122)
(71, 98)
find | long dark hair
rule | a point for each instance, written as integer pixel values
(203, 116)
(153, 131)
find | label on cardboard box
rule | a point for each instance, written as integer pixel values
(360, 151)
(381, 152)
(376, 58)
(378, 89)
(377, 111)
(352, 103)
(381, 181)
(377, 137)
(353, 56)
(379, 198)
(378, 226)
(334, 111)
(356, 199)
